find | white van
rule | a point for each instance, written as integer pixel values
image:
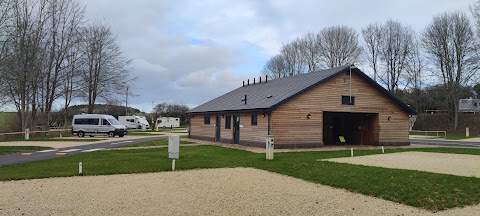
(134, 121)
(97, 124)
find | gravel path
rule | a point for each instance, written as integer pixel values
(455, 164)
(229, 191)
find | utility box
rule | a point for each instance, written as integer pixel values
(269, 147)
(173, 146)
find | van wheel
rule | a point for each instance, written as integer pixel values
(81, 134)
(111, 134)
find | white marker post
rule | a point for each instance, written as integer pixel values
(383, 150)
(80, 170)
(351, 151)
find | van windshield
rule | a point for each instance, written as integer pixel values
(114, 121)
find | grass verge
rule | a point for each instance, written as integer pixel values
(430, 191)
(15, 149)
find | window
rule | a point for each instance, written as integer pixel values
(228, 122)
(105, 122)
(81, 121)
(254, 119)
(93, 121)
(87, 121)
(206, 120)
(346, 100)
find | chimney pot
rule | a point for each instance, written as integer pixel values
(248, 82)
(260, 80)
(266, 78)
(253, 81)
(243, 83)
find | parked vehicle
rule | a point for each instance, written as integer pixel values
(469, 105)
(167, 122)
(97, 124)
(134, 121)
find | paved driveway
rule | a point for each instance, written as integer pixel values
(71, 150)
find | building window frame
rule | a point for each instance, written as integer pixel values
(254, 118)
(206, 120)
(228, 122)
(346, 100)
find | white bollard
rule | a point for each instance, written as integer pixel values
(173, 165)
(80, 170)
(27, 133)
(351, 151)
(383, 150)
(467, 132)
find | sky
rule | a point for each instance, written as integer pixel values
(191, 51)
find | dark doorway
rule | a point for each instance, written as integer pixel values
(236, 129)
(217, 128)
(356, 128)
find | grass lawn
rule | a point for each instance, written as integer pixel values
(415, 188)
(163, 142)
(15, 149)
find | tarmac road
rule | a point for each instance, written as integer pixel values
(17, 158)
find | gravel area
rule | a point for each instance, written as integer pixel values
(228, 191)
(455, 164)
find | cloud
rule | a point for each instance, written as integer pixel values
(191, 51)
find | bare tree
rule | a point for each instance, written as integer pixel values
(372, 35)
(275, 67)
(61, 29)
(394, 51)
(21, 69)
(449, 40)
(339, 46)
(293, 57)
(414, 70)
(105, 72)
(310, 49)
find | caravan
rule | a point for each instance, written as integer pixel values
(167, 122)
(135, 122)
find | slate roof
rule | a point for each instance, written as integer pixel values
(267, 96)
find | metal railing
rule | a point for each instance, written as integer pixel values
(430, 135)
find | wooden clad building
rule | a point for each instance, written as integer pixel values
(308, 110)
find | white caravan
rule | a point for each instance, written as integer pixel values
(134, 121)
(167, 122)
(97, 124)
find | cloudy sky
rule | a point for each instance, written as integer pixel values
(191, 51)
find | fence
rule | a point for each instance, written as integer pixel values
(20, 135)
(430, 135)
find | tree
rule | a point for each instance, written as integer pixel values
(105, 72)
(372, 35)
(61, 29)
(339, 46)
(414, 70)
(275, 67)
(21, 69)
(449, 41)
(293, 58)
(394, 51)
